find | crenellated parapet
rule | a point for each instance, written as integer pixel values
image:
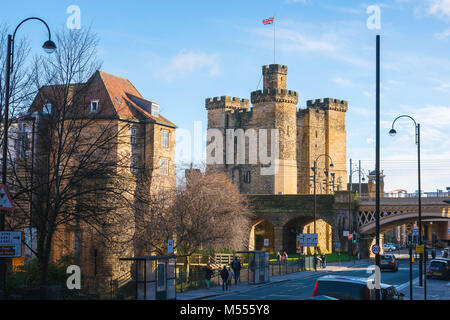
(226, 102)
(274, 95)
(328, 104)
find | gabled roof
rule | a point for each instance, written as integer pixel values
(127, 101)
(119, 98)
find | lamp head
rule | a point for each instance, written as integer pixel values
(49, 46)
(392, 132)
(331, 165)
(363, 179)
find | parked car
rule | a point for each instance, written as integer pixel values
(439, 268)
(444, 253)
(387, 248)
(388, 261)
(393, 246)
(352, 288)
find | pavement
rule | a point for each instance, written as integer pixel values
(243, 287)
(436, 290)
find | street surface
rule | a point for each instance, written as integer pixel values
(302, 289)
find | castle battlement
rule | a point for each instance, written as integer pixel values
(328, 104)
(226, 102)
(274, 95)
(274, 68)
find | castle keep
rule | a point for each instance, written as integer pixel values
(303, 135)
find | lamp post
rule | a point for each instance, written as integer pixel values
(314, 169)
(49, 47)
(393, 132)
(350, 189)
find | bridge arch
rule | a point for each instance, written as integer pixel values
(261, 229)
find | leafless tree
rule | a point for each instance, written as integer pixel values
(76, 175)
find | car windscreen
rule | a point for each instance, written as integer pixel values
(386, 257)
(342, 290)
(438, 264)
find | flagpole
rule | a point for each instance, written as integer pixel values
(274, 37)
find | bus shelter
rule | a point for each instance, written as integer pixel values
(154, 277)
(258, 266)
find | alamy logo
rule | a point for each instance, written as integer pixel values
(74, 280)
(74, 20)
(236, 146)
(374, 20)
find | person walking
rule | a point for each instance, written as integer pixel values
(285, 257)
(208, 274)
(230, 276)
(324, 260)
(224, 275)
(278, 256)
(236, 266)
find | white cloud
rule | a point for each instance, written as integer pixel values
(440, 8)
(188, 62)
(343, 82)
(443, 35)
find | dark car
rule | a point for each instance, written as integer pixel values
(439, 268)
(351, 288)
(388, 261)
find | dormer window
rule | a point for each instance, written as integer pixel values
(154, 109)
(47, 109)
(94, 106)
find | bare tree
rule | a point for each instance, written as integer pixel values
(76, 175)
(206, 210)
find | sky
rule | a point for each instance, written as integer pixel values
(178, 53)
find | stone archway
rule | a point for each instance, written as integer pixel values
(306, 225)
(261, 229)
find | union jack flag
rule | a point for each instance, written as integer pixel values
(269, 21)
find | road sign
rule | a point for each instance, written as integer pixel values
(375, 249)
(346, 233)
(266, 242)
(415, 230)
(170, 246)
(338, 244)
(10, 244)
(6, 202)
(308, 239)
(420, 248)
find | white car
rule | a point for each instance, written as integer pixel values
(388, 248)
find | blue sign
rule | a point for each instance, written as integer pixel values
(338, 244)
(415, 230)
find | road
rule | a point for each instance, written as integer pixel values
(302, 288)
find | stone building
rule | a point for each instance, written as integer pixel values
(304, 136)
(142, 143)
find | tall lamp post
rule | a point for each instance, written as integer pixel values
(350, 189)
(314, 169)
(49, 47)
(393, 132)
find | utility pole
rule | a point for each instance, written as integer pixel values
(377, 156)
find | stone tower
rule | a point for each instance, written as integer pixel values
(321, 130)
(276, 108)
(303, 135)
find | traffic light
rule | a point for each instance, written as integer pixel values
(410, 239)
(355, 237)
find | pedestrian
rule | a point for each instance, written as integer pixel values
(230, 276)
(324, 260)
(208, 274)
(236, 266)
(285, 257)
(278, 256)
(224, 276)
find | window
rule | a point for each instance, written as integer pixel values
(164, 167)
(133, 136)
(165, 139)
(248, 177)
(133, 167)
(47, 108)
(94, 106)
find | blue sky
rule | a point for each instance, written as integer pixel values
(180, 52)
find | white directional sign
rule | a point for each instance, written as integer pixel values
(5, 200)
(308, 239)
(170, 246)
(266, 242)
(10, 244)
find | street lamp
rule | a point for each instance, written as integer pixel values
(350, 189)
(392, 133)
(314, 169)
(49, 47)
